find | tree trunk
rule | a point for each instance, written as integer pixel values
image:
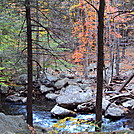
(117, 56)
(100, 63)
(37, 39)
(29, 64)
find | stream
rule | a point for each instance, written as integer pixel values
(42, 117)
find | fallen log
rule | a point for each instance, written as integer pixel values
(115, 98)
(128, 95)
(124, 84)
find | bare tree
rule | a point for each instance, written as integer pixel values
(100, 63)
(100, 60)
(29, 64)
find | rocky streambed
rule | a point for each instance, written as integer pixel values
(42, 117)
(67, 95)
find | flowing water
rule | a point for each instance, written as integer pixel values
(42, 117)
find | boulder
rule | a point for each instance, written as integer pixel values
(83, 86)
(44, 89)
(4, 89)
(85, 81)
(47, 76)
(71, 89)
(42, 130)
(72, 82)
(78, 80)
(105, 103)
(51, 96)
(128, 104)
(70, 75)
(115, 111)
(67, 75)
(61, 83)
(88, 90)
(22, 80)
(20, 88)
(13, 125)
(58, 111)
(130, 86)
(47, 83)
(16, 99)
(71, 100)
(86, 107)
(92, 76)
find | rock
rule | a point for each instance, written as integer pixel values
(130, 86)
(44, 89)
(128, 104)
(73, 99)
(22, 80)
(86, 107)
(92, 76)
(85, 81)
(105, 103)
(83, 86)
(88, 90)
(47, 76)
(24, 100)
(23, 93)
(62, 75)
(51, 96)
(67, 75)
(19, 88)
(58, 111)
(72, 82)
(71, 89)
(114, 111)
(12, 125)
(76, 80)
(16, 99)
(47, 83)
(4, 89)
(70, 76)
(61, 83)
(42, 130)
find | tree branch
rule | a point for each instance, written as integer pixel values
(92, 6)
(122, 12)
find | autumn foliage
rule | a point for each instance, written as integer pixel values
(85, 27)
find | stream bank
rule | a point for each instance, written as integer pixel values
(42, 117)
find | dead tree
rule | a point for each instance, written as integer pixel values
(29, 64)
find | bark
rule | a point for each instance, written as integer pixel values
(29, 64)
(100, 63)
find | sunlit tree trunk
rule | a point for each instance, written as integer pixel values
(29, 64)
(100, 63)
